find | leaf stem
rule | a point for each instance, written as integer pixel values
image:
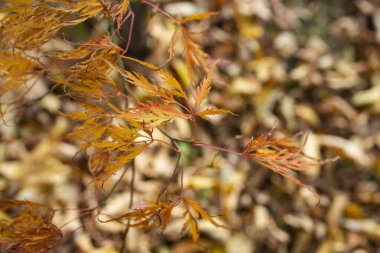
(198, 144)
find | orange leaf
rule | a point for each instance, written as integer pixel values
(194, 55)
(199, 16)
(165, 76)
(28, 227)
(211, 111)
(193, 212)
(204, 88)
(281, 155)
(202, 213)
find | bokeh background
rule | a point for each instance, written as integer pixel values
(298, 65)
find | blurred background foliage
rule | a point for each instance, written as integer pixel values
(298, 65)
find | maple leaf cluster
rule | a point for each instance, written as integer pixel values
(27, 227)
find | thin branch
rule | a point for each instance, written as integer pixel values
(171, 178)
(197, 144)
(115, 185)
(130, 31)
(125, 234)
(164, 12)
(174, 138)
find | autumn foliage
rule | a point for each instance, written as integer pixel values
(27, 227)
(121, 109)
